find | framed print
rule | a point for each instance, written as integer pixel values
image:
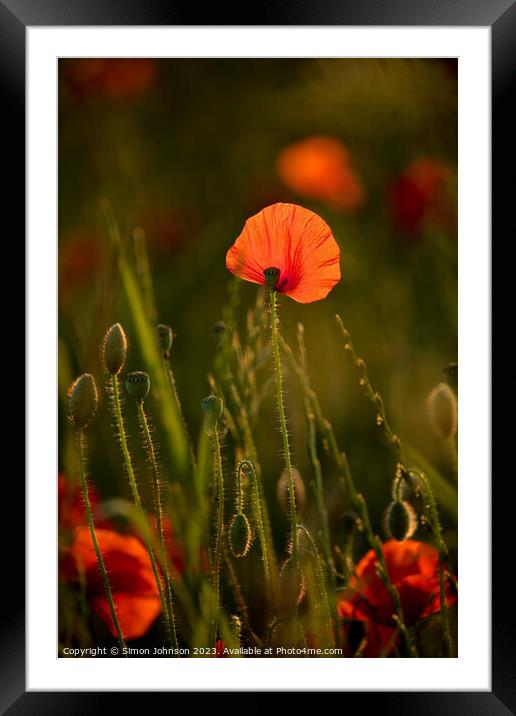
(256, 256)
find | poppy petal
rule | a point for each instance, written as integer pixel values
(132, 581)
(135, 613)
(294, 240)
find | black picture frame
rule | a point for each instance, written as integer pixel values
(500, 15)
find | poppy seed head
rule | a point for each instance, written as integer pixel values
(137, 385)
(271, 275)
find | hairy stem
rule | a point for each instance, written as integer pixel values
(173, 388)
(283, 422)
(93, 534)
(159, 520)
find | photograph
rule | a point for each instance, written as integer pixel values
(257, 358)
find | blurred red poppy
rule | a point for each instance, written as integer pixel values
(320, 168)
(168, 229)
(114, 78)
(131, 577)
(70, 501)
(413, 568)
(81, 253)
(419, 194)
(294, 240)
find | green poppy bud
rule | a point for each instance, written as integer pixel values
(240, 535)
(400, 520)
(137, 385)
(82, 400)
(114, 349)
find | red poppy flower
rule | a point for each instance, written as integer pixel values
(418, 195)
(115, 78)
(81, 254)
(131, 577)
(294, 240)
(70, 505)
(413, 568)
(319, 168)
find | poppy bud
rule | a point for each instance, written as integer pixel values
(82, 400)
(165, 338)
(114, 349)
(137, 385)
(272, 275)
(283, 493)
(212, 407)
(400, 520)
(240, 535)
(442, 408)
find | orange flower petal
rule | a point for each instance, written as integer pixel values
(132, 581)
(296, 241)
(135, 614)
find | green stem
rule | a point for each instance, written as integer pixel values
(240, 494)
(100, 561)
(283, 422)
(172, 383)
(219, 537)
(136, 495)
(159, 520)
